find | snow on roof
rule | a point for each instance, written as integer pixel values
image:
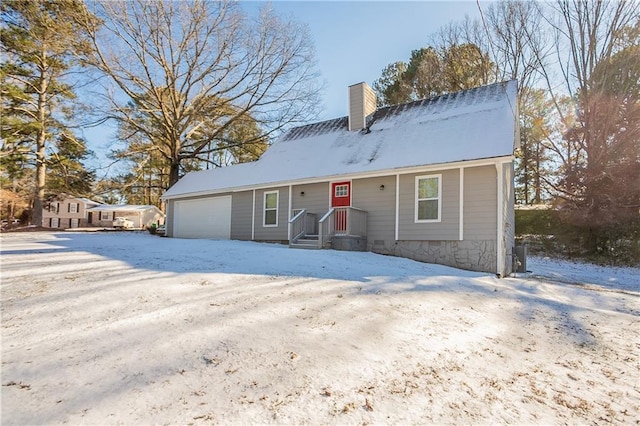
(474, 124)
(123, 208)
(88, 201)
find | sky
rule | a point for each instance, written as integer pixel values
(354, 41)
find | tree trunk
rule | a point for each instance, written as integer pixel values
(41, 166)
(174, 172)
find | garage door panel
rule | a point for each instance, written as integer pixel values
(203, 218)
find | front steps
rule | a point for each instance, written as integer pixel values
(307, 242)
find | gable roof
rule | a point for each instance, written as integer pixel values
(474, 124)
(88, 201)
(123, 208)
(64, 196)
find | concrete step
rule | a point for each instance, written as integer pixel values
(305, 245)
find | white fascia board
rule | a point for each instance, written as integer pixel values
(351, 176)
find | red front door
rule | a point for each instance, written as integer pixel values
(340, 197)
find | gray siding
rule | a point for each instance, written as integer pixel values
(480, 203)
(315, 199)
(273, 233)
(241, 218)
(380, 206)
(448, 227)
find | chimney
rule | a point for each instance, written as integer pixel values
(362, 102)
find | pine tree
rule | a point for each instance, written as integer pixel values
(41, 40)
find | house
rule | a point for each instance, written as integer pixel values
(66, 211)
(430, 180)
(142, 216)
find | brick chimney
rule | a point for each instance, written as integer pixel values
(362, 102)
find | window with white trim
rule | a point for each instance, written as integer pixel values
(104, 216)
(341, 190)
(428, 198)
(270, 210)
(73, 208)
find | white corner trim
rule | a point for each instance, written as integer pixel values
(397, 230)
(500, 227)
(290, 209)
(253, 217)
(461, 225)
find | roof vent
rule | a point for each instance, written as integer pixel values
(362, 102)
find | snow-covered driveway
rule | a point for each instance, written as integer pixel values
(130, 328)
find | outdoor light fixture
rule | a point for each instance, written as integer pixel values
(302, 193)
(382, 187)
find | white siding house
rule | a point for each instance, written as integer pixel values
(142, 216)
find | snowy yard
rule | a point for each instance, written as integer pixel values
(129, 328)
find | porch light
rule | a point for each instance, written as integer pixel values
(382, 187)
(302, 193)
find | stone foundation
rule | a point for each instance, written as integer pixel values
(476, 255)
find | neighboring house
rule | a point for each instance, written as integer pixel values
(142, 216)
(67, 212)
(430, 180)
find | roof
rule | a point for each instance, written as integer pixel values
(88, 201)
(64, 196)
(123, 208)
(474, 124)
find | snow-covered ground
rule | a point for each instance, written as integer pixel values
(130, 328)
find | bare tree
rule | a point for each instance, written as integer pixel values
(194, 69)
(589, 35)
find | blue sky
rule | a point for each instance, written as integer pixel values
(355, 40)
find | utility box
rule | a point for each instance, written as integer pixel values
(520, 259)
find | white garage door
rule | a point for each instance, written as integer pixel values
(203, 218)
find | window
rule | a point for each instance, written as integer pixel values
(428, 198)
(55, 222)
(342, 190)
(73, 208)
(104, 216)
(270, 217)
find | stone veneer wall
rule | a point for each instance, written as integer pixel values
(474, 255)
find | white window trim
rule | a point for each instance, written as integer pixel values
(264, 208)
(335, 190)
(416, 199)
(73, 208)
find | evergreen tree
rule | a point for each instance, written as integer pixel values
(431, 72)
(65, 171)
(41, 39)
